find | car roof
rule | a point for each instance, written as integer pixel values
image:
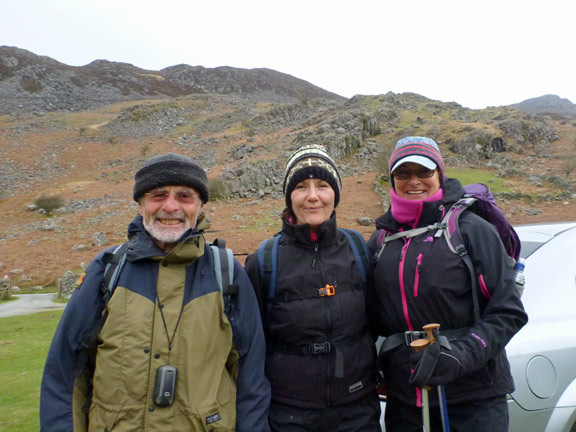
(533, 236)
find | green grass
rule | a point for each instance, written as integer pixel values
(468, 176)
(24, 343)
(26, 287)
(6, 300)
(270, 219)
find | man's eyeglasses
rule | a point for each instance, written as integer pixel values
(183, 196)
(405, 173)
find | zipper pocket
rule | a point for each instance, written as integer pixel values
(417, 276)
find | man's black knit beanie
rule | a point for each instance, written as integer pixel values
(171, 169)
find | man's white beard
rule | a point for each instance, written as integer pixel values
(164, 234)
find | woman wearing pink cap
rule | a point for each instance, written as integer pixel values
(419, 280)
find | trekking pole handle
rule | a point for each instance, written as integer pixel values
(420, 344)
(432, 331)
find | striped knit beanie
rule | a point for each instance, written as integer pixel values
(421, 150)
(311, 161)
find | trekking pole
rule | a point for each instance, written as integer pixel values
(419, 345)
(433, 332)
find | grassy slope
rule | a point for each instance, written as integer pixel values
(24, 343)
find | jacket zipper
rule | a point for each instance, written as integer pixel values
(417, 277)
(329, 322)
(402, 287)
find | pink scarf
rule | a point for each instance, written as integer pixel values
(408, 212)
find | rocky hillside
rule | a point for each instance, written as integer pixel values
(241, 128)
(548, 105)
(30, 83)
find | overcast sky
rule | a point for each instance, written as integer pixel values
(478, 54)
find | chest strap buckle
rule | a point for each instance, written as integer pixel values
(320, 348)
(410, 336)
(328, 290)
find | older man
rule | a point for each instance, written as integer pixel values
(168, 357)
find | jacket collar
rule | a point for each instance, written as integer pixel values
(189, 247)
(300, 234)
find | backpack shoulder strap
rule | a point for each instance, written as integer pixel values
(360, 250)
(224, 271)
(115, 261)
(456, 244)
(382, 234)
(452, 231)
(385, 237)
(268, 264)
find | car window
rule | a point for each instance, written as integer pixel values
(528, 247)
(550, 290)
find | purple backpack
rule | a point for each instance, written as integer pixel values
(480, 200)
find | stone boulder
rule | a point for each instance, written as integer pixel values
(68, 283)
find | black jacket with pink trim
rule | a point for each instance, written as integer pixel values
(420, 281)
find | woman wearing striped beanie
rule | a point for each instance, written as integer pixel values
(321, 359)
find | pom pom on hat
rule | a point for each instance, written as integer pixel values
(171, 169)
(311, 161)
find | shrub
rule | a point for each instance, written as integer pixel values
(217, 189)
(381, 161)
(568, 164)
(88, 131)
(145, 149)
(49, 202)
(31, 85)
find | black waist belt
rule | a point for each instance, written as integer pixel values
(405, 339)
(327, 291)
(316, 348)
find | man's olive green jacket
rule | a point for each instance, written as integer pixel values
(165, 310)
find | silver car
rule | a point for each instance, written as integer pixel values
(543, 354)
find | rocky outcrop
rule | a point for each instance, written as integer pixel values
(527, 132)
(255, 179)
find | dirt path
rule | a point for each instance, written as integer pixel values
(30, 303)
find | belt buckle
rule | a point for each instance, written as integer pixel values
(320, 348)
(328, 290)
(410, 336)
